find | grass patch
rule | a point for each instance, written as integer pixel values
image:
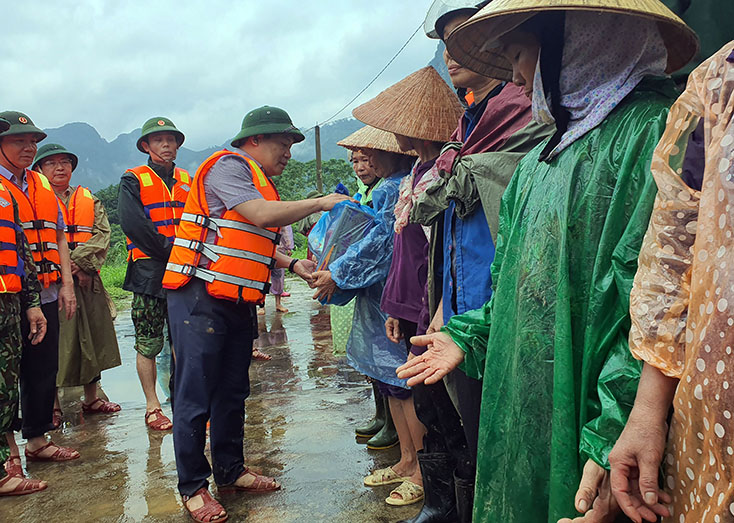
(113, 276)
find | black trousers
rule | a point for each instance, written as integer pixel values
(445, 433)
(38, 367)
(213, 343)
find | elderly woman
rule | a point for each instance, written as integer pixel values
(551, 344)
(87, 341)
(682, 315)
(365, 266)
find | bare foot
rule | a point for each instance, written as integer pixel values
(280, 308)
(259, 355)
(261, 311)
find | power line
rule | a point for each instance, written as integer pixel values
(373, 80)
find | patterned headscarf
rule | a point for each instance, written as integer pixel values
(605, 56)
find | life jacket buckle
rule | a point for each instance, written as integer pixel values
(188, 270)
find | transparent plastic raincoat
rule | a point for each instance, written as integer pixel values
(365, 266)
(683, 297)
(551, 345)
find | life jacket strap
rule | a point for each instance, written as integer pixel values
(211, 276)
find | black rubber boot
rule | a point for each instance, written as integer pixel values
(464, 498)
(388, 436)
(373, 427)
(439, 505)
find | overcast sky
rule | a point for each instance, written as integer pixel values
(114, 64)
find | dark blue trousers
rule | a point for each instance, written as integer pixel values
(213, 343)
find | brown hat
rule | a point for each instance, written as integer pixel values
(370, 138)
(420, 106)
(470, 44)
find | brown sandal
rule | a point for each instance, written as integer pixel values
(209, 512)
(102, 407)
(61, 453)
(159, 422)
(26, 486)
(260, 484)
(14, 467)
(57, 418)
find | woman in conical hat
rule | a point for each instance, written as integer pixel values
(551, 345)
(681, 309)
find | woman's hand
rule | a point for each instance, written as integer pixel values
(442, 356)
(324, 284)
(594, 497)
(635, 460)
(392, 330)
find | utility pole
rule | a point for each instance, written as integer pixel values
(319, 182)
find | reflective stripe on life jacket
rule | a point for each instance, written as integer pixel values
(11, 264)
(241, 254)
(39, 213)
(162, 207)
(78, 217)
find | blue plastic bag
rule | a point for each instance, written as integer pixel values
(347, 223)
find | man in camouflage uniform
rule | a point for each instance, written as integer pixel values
(12, 305)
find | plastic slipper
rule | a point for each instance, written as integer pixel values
(259, 485)
(26, 486)
(209, 512)
(409, 493)
(100, 407)
(386, 476)
(61, 453)
(14, 467)
(159, 422)
(57, 418)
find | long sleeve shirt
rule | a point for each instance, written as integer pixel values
(143, 276)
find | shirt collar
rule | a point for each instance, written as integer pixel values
(11, 177)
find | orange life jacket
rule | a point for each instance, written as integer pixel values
(39, 212)
(162, 207)
(241, 253)
(78, 217)
(11, 264)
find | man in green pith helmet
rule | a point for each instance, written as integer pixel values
(151, 201)
(19, 294)
(218, 271)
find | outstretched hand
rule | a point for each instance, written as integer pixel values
(325, 285)
(330, 200)
(594, 497)
(304, 269)
(442, 356)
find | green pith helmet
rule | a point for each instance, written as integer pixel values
(267, 120)
(4, 125)
(159, 124)
(20, 124)
(49, 150)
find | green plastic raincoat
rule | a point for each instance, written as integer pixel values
(551, 345)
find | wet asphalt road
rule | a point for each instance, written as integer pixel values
(299, 428)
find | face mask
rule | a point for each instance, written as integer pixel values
(541, 109)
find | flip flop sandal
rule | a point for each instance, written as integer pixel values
(259, 485)
(209, 512)
(386, 476)
(409, 493)
(26, 486)
(57, 419)
(102, 407)
(14, 467)
(61, 453)
(160, 420)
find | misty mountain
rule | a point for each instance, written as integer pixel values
(101, 163)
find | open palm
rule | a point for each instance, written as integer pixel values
(442, 356)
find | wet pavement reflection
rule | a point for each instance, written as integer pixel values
(299, 428)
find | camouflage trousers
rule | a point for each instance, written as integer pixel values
(11, 346)
(149, 315)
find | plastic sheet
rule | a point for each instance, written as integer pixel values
(551, 345)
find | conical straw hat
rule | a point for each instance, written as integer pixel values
(370, 138)
(472, 44)
(420, 106)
